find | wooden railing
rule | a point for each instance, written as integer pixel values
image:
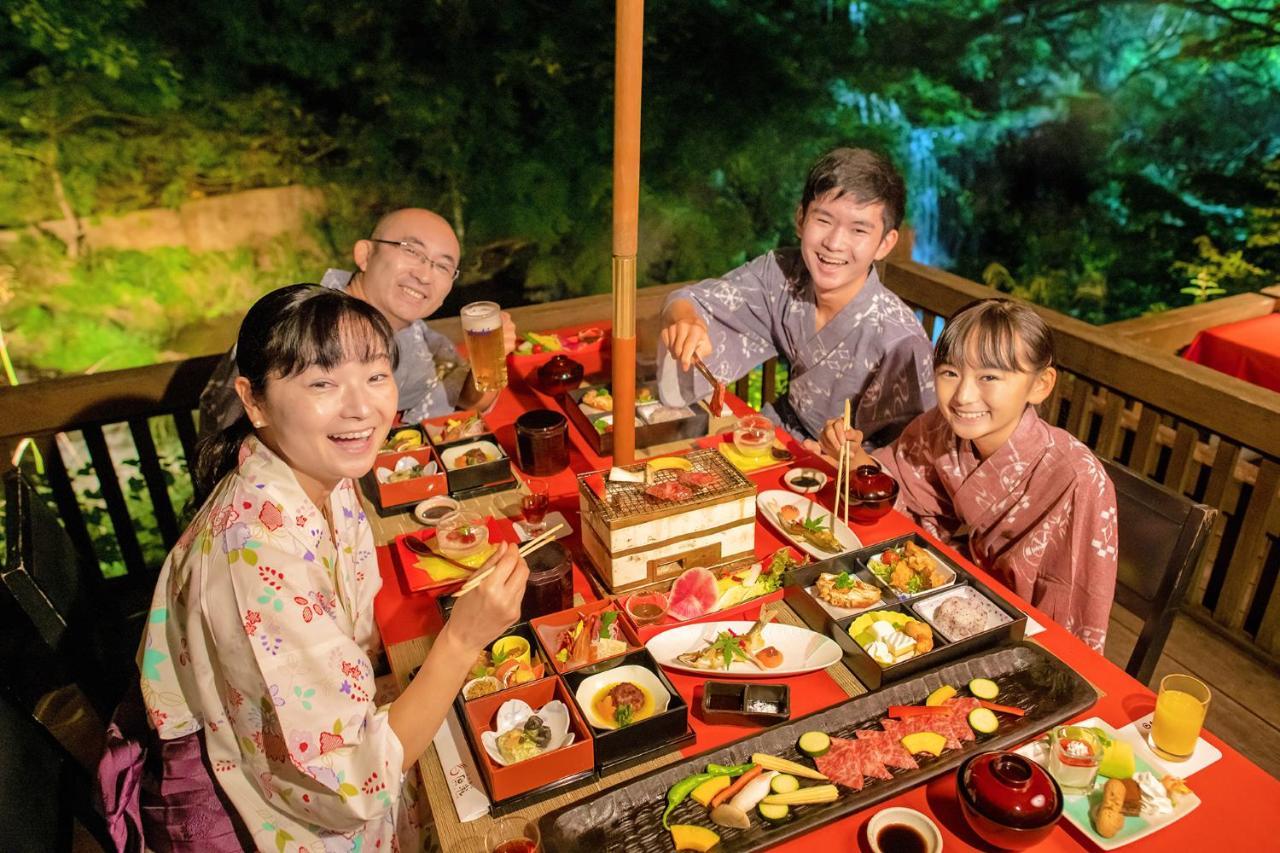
(1204, 434)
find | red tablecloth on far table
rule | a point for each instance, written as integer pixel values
(1248, 350)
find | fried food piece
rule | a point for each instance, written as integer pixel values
(921, 633)
(1108, 818)
(901, 575)
(856, 595)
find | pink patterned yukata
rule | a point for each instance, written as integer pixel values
(1040, 513)
(261, 633)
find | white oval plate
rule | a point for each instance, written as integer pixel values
(451, 456)
(802, 650)
(769, 501)
(637, 675)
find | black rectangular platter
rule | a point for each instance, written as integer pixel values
(870, 673)
(629, 816)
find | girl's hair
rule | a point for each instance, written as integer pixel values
(999, 334)
(286, 332)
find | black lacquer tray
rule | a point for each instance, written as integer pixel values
(629, 817)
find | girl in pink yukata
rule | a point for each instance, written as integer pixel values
(1036, 504)
(257, 672)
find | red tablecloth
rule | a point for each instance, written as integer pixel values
(1248, 350)
(1236, 795)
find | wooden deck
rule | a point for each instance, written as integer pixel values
(1245, 708)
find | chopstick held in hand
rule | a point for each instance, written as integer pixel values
(525, 550)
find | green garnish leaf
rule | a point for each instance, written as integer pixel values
(844, 581)
(815, 525)
(622, 716)
(916, 584)
(606, 624)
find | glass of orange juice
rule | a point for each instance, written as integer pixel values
(1180, 708)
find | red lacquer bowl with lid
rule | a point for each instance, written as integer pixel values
(1011, 801)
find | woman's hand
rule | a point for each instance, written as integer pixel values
(480, 616)
(684, 333)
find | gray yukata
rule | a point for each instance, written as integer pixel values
(874, 352)
(429, 376)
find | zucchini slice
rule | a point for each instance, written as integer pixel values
(784, 783)
(983, 721)
(815, 743)
(984, 688)
(773, 813)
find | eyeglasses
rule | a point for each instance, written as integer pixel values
(421, 257)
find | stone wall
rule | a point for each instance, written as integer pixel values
(220, 223)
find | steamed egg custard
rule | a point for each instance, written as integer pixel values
(622, 703)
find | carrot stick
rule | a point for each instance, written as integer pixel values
(917, 710)
(736, 786)
(1002, 709)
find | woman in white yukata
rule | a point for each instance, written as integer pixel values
(1037, 505)
(257, 672)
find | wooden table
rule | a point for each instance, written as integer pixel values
(1236, 795)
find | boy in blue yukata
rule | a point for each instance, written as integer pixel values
(821, 306)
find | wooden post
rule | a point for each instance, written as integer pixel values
(628, 56)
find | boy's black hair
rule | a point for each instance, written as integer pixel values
(862, 173)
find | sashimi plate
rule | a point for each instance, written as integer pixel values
(771, 501)
(802, 650)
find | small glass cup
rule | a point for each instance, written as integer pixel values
(753, 436)
(533, 505)
(462, 535)
(1074, 755)
(1181, 706)
(646, 608)
(513, 835)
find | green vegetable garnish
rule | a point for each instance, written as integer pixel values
(915, 584)
(815, 525)
(728, 647)
(606, 624)
(622, 716)
(563, 656)
(844, 581)
(682, 789)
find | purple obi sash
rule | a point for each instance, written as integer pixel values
(161, 794)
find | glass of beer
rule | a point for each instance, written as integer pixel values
(482, 323)
(1180, 708)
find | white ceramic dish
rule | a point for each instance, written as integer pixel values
(798, 473)
(637, 675)
(839, 613)
(1076, 808)
(908, 817)
(802, 650)
(929, 606)
(451, 456)
(770, 501)
(512, 715)
(420, 511)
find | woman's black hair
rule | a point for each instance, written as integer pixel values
(998, 334)
(283, 334)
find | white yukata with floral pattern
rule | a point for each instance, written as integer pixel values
(261, 632)
(873, 352)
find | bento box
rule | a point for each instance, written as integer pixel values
(513, 659)
(919, 628)
(604, 692)
(454, 427)
(591, 411)
(523, 782)
(476, 466)
(607, 635)
(395, 495)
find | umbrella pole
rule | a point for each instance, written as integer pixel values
(628, 57)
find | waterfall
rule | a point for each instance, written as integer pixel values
(923, 182)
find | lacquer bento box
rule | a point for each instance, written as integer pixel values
(455, 454)
(591, 410)
(562, 698)
(900, 607)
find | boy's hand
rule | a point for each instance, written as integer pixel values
(684, 333)
(508, 333)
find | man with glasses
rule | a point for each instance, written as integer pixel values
(405, 269)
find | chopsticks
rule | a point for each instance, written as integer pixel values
(717, 387)
(842, 470)
(525, 550)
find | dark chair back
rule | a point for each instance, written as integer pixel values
(1162, 535)
(60, 623)
(42, 787)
